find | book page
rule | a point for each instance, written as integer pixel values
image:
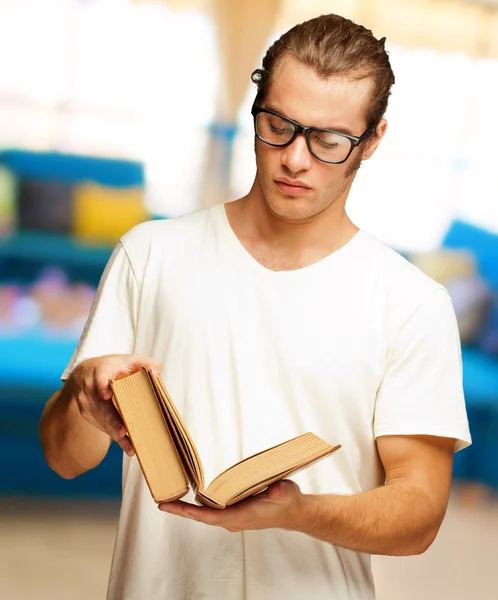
(270, 465)
(191, 456)
(149, 434)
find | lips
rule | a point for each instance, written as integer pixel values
(291, 187)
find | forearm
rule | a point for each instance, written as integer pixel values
(71, 444)
(397, 519)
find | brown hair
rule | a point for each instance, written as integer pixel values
(331, 44)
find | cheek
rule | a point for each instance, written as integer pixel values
(267, 159)
(330, 177)
(261, 158)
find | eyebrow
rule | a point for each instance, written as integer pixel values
(339, 129)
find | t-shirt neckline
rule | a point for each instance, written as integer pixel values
(238, 247)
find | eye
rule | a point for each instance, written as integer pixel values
(276, 129)
(325, 144)
(279, 126)
(273, 129)
(327, 140)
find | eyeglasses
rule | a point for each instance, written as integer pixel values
(324, 144)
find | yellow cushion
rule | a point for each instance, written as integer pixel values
(103, 214)
(445, 265)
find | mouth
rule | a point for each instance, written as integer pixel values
(292, 188)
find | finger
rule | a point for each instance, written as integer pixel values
(155, 365)
(133, 368)
(102, 385)
(123, 441)
(207, 515)
(132, 364)
(119, 435)
(125, 445)
(124, 373)
(111, 420)
(276, 490)
(103, 376)
(117, 432)
(174, 508)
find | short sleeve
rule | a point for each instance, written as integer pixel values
(110, 327)
(422, 389)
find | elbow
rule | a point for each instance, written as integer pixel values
(67, 464)
(58, 466)
(414, 550)
(62, 470)
(430, 534)
(63, 474)
(426, 543)
(419, 546)
(63, 451)
(55, 461)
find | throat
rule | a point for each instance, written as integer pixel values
(281, 251)
(274, 260)
(280, 259)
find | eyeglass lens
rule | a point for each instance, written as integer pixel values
(277, 131)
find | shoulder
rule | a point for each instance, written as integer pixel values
(404, 290)
(163, 230)
(395, 272)
(166, 244)
(164, 237)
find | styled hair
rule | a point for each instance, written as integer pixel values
(333, 45)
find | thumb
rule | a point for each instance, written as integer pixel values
(143, 361)
(105, 392)
(276, 490)
(104, 385)
(280, 488)
(283, 488)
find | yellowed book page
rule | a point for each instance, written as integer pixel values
(189, 449)
(270, 465)
(186, 450)
(146, 426)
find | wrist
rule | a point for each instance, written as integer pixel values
(316, 517)
(306, 513)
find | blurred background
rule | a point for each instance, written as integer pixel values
(117, 111)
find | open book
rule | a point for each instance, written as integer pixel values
(170, 462)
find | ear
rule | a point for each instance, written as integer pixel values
(374, 140)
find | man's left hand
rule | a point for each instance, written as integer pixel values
(279, 506)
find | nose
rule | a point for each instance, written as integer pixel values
(296, 156)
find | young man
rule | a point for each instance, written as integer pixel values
(268, 317)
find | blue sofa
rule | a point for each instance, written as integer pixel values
(31, 363)
(479, 463)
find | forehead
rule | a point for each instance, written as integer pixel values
(301, 94)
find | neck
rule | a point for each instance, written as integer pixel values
(327, 231)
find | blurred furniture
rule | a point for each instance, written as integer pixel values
(479, 463)
(31, 362)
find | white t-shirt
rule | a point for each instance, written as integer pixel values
(358, 345)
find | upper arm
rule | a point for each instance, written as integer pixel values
(421, 391)
(423, 460)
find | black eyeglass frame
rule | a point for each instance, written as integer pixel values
(306, 131)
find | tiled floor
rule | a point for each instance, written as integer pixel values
(50, 550)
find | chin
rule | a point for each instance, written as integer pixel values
(293, 209)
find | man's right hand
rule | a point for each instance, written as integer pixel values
(89, 386)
